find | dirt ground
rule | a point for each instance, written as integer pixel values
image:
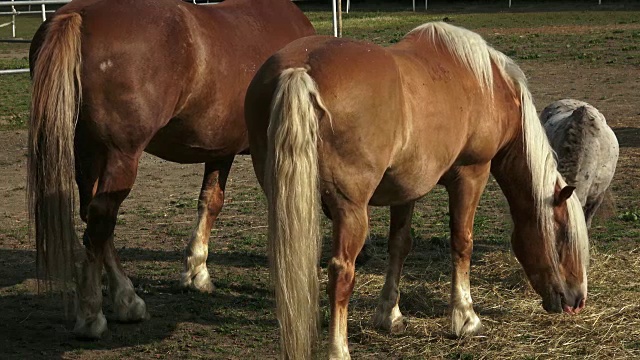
(237, 321)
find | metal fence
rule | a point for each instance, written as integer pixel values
(426, 4)
(43, 10)
(336, 5)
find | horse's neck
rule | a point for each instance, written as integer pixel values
(512, 172)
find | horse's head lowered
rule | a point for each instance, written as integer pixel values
(556, 260)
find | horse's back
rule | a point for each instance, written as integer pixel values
(586, 146)
(171, 76)
(361, 88)
(460, 111)
(560, 107)
(346, 71)
(337, 63)
(387, 106)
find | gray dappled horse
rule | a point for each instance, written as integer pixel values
(587, 149)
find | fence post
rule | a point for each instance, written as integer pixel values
(335, 18)
(339, 6)
(13, 20)
(44, 11)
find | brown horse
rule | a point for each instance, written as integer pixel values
(344, 123)
(114, 78)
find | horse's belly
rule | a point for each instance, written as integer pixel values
(186, 154)
(189, 145)
(415, 172)
(401, 185)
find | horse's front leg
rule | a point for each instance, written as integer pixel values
(465, 186)
(195, 274)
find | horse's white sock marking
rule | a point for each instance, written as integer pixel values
(196, 275)
(388, 315)
(338, 346)
(464, 320)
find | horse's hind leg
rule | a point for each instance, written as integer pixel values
(127, 305)
(465, 186)
(114, 184)
(350, 226)
(196, 275)
(591, 207)
(89, 164)
(388, 315)
(90, 321)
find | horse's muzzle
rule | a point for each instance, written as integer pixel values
(569, 302)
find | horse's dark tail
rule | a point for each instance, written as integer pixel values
(55, 100)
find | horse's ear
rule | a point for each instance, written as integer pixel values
(562, 195)
(579, 112)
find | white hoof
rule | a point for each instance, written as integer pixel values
(394, 323)
(90, 328)
(129, 307)
(465, 322)
(339, 354)
(198, 280)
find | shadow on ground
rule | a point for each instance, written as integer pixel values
(34, 326)
(237, 307)
(628, 136)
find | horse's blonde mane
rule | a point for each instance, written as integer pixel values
(474, 52)
(469, 47)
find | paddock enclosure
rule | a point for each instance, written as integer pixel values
(591, 55)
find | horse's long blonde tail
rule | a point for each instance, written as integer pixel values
(291, 185)
(56, 92)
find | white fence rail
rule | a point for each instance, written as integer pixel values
(14, 12)
(13, 71)
(43, 10)
(426, 4)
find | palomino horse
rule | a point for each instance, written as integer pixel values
(346, 123)
(586, 147)
(112, 79)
